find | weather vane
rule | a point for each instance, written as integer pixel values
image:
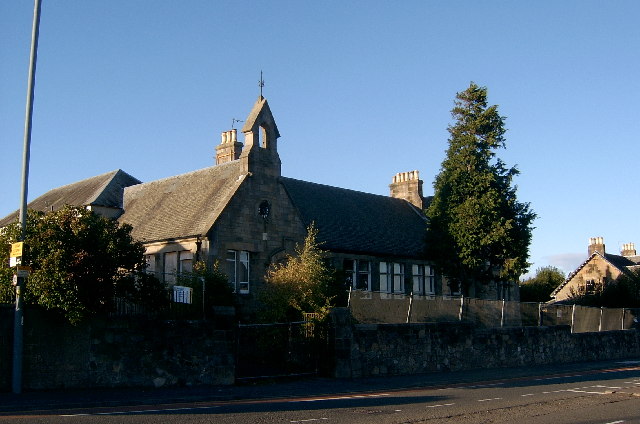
(233, 122)
(261, 83)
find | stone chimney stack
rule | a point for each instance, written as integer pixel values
(596, 244)
(408, 186)
(229, 148)
(628, 249)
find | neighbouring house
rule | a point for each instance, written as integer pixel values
(599, 269)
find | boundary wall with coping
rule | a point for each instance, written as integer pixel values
(363, 350)
(116, 352)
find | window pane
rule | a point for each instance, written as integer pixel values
(151, 263)
(170, 267)
(417, 284)
(363, 281)
(397, 283)
(186, 266)
(243, 272)
(347, 265)
(364, 266)
(244, 256)
(383, 267)
(231, 268)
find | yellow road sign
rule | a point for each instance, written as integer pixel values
(16, 249)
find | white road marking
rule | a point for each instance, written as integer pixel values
(487, 400)
(528, 394)
(140, 411)
(440, 405)
(309, 420)
(585, 391)
(340, 398)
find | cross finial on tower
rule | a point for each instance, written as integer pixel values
(261, 84)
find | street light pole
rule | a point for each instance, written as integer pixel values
(18, 316)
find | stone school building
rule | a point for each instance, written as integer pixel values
(244, 214)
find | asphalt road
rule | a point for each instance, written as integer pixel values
(581, 393)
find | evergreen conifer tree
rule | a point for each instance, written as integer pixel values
(478, 232)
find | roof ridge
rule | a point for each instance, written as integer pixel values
(175, 177)
(343, 188)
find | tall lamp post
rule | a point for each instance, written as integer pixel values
(18, 316)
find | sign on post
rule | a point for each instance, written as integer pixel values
(16, 249)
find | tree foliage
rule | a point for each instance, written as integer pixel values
(478, 231)
(303, 283)
(539, 287)
(80, 261)
(210, 282)
(624, 292)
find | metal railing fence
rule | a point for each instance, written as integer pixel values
(378, 307)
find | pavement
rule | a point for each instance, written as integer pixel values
(270, 389)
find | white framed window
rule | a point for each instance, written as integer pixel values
(170, 267)
(349, 268)
(391, 277)
(357, 273)
(385, 277)
(430, 279)
(363, 281)
(398, 278)
(423, 279)
(176, 263)
(238, 270)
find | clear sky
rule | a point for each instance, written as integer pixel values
(360, 90)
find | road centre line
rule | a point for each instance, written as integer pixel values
(488, 400)
(318, 399)
(440, 405)
(140, 411)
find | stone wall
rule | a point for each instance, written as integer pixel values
(125, 352)
(364, 350)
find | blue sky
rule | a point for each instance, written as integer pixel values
(360, 90)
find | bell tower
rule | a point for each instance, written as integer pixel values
(260, 151)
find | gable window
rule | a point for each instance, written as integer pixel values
(238, 270)
(590, 286)
(423, 279)
(357, 273)
(391, 277)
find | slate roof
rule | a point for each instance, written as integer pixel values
(355, 222)
(101, 190)
(622, 263)
(181, 206)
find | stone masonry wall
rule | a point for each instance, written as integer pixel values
(123, 352)
(364, 350)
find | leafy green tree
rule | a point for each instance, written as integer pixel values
(478, 231)
(539, 287)
(303, 283)
(80, 261)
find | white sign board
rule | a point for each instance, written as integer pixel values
(182, 294)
